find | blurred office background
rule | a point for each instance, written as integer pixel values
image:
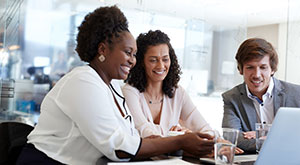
(37, 41)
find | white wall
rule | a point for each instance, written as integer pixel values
(268, 32)
(293, 53)
(275, 34)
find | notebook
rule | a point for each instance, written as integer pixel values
(282, 145)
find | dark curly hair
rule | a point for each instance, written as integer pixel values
(101, 25)
(137, 75)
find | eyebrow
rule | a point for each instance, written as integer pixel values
(253, 65)
(167, 55)
(131, 48)
(128, 47)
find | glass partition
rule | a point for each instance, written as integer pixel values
(37, 41)
(293, 42)
(10, 38)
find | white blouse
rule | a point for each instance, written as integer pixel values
(179, 108)
(80, 121)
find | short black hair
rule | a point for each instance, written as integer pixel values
(101, 25)
(137, 76)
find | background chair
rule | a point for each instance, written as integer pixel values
(13, 136)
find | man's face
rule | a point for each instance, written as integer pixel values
(257, 75)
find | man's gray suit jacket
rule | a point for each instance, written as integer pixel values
(240, 113)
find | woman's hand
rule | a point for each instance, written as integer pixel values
(198, 144)
(180, 129)
(152, 137)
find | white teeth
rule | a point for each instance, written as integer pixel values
(161, 72)
(126, 68)
(256, 82)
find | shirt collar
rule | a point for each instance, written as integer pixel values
(268, 92)
(270, 88)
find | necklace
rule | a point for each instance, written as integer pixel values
(152, 102)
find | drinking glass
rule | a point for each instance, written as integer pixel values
(225, 146)
(261, 134)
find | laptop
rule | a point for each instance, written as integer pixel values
(282, 145)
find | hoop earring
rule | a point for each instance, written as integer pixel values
(101, 58)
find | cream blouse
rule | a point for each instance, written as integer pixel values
(179, 108)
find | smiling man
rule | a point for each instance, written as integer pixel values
(260, 96)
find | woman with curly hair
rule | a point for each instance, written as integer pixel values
(84, 118)
(156, 101)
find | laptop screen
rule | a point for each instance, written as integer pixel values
(282, 145)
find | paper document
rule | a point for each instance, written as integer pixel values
(237, 159)
(160, 162)
(245, 158)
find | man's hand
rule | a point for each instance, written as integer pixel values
(237, 149)
(249, 135)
